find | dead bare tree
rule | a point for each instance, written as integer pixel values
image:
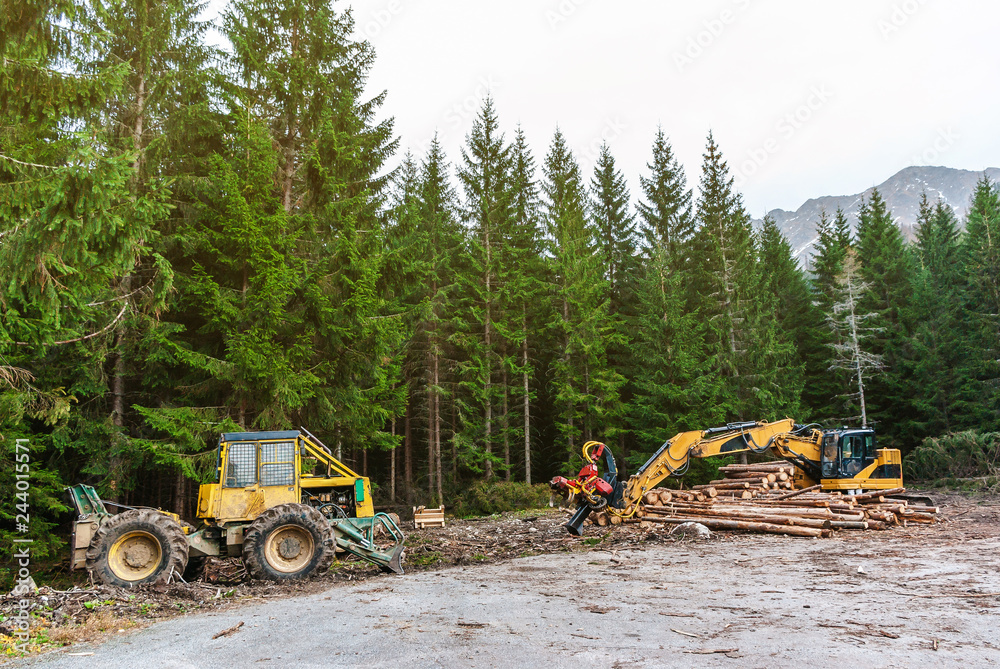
(852, 335)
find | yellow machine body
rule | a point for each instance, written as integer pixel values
(259, 470)
(838, 459)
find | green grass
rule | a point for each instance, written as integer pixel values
(424, 559)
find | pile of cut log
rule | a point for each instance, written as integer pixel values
(756, 503)
(749, 481)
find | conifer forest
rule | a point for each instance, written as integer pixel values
(195, 240)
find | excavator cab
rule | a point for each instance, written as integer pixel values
(851, 460)
(846, 453)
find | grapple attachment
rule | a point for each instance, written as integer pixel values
(359, 539)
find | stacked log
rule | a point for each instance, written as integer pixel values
(761, 498)
(749, 481)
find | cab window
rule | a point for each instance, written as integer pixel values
(831, 456)
(277, 463)
(870, 447)
(241, 464)
(848, 451)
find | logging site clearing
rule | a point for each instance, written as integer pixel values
(496, 591)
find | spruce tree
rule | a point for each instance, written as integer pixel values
(485, 180)
(585, 389)
(614, 227)
(298, 78)
(670, 370)
(162, 44)
(936, 364)
(72, 224)
(440, 239)
(981, 251)
(887, 270)
(615, 238)
(665, 213)
(833, 240)
(673, 382)
(824, 393)
(403, 277)
(746, 348)
(799, 320)
(526, 283)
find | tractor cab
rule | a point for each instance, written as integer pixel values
(259, 470)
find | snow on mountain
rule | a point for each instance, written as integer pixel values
(902, 194)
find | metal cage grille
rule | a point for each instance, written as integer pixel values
(277, 463)
(241, 464)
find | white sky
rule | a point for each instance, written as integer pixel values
(805, 98)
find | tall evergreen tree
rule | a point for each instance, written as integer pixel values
(164, 91)
(526, 281)
(747, 349)
(440, 239)
(833, 240)
(666, 215)
(585, 388)
(298, 78)
(670, 376)
(937, 369)
(887, 270)
(403, 276)
(673, 382)
(67, 236)
(981, 251)
(615, 237)
(825, 393)
(485, 179)
(799, 320)
(614, 227)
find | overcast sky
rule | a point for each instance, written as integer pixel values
(804, 98)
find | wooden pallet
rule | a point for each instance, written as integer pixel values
(424, 517)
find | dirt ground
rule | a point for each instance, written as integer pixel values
(916, 589)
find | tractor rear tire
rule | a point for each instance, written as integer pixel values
(288, 542)
(138, 547)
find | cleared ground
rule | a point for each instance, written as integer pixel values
(917, 596)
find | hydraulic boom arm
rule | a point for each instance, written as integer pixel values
(782, 437)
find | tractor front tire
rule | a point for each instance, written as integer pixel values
(138, 547)
(288, 542)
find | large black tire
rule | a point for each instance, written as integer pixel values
(138, 547)
(288, 542)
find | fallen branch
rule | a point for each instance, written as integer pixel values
(229, 630)
(983, 594)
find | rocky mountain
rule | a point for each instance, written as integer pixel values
(902, 194)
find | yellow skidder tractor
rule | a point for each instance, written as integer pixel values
(284, 523)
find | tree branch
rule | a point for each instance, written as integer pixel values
(92, 334)
(21, 162)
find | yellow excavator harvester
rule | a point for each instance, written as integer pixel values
(840, 459)
(285, 523)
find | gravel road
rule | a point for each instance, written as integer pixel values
(891, 599)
